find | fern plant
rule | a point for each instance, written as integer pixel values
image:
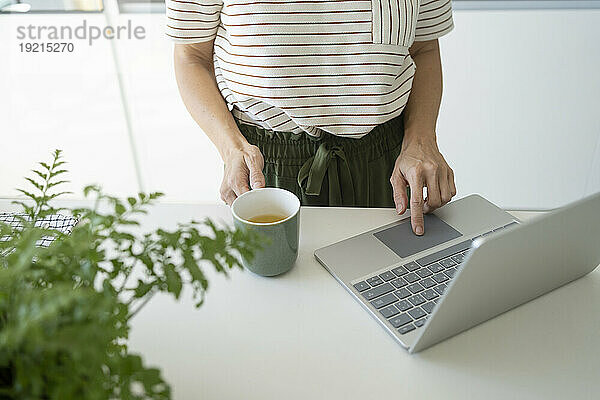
(66, 309)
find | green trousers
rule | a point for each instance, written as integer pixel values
(331, 170)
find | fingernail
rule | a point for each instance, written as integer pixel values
(419, 230)
(400, 207)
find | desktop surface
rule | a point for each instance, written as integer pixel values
(302, 336)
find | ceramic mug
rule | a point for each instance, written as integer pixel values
(280, 244)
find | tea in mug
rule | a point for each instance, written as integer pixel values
(267, 218)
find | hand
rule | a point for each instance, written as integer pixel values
(420, 164)
(243, 170)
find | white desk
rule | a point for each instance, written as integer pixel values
(301, 336)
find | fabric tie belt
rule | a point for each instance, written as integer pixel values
(333, 162)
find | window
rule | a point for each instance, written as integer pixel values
(523, 4)
(51, 6)
(142, 6)
(158, 6)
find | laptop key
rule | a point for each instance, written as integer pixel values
(377, 291)
(435, 267)
(406, 329)
(439, 278)
(427, 283)
(417, 313)
(384, 301)
(415, 287)
(440, 288)
(399, 282)
(458, 258)
(412, 277)
(412, 266)
(457, 248)
(360, 286)
(374, 281)
(403, 305)
(420, 323)
(450, 272)
(447, 263)
(399, 271)
(387, 276)
(402, 293)
(400, 320)
(416, 299)
(389, 311)
(424, 272)
(429, 294)
(428, 307)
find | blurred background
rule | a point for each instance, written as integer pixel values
(519, 121)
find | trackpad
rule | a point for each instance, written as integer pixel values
(402, 241)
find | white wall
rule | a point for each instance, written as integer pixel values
(65, 101)
(519, 119)
(175, 156)
(518, 123)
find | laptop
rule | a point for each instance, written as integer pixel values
(474, 262)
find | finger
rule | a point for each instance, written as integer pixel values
(434, 197)
(451, 181)
(240, 184)
(416, 203)
(228, 196)
(399, 185)
(255, 165)
(445, 189)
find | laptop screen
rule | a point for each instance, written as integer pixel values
(402, 241)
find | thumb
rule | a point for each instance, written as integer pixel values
(399, 185)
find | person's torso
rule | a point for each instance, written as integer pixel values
(342, 66)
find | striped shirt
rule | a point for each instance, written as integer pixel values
(340, 66)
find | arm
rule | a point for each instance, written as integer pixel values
(198, 88)
(420, 163)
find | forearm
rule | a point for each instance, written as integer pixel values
(421, 112)
(198, 88)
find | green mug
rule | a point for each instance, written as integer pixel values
(280, 247)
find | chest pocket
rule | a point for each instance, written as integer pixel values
(394, 21)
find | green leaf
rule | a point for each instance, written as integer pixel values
(40, 174)
(59, 172)
(55, 195)
(91, 188)
(120, 208)
(56, 183)
(142, 288)
(35, 184)
(28, 194)
(156, 195)
(174, 283)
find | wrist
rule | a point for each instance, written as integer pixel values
(231, 144)
(419, 135)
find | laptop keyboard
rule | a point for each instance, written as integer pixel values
(407, 294)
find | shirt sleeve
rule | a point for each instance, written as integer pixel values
(193, 21)
(434, 20)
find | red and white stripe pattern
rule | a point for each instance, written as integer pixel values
(340, 66)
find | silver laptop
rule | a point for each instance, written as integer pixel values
(474, 262)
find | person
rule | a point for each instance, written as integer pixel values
(334, 100)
